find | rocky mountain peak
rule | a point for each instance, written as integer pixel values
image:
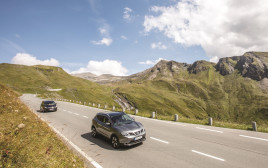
(167, 68)
(200, 66)
(253, 65)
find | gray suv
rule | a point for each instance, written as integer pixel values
(119, 127)
(48, 105)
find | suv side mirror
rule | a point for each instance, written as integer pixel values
(108, 124)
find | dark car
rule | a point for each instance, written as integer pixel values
(119, 127)
(48, 105)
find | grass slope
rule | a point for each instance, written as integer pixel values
(35, 145)
(230, 98)
(37, 79)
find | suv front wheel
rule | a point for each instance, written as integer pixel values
(115, 142)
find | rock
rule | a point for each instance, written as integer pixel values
(21, 126)
(200, 66)
(25, 118)
(253, 65)
(226, 65)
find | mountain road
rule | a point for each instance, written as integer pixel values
(168, 144)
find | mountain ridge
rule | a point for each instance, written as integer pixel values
(253, 65)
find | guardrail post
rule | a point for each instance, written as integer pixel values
(210, 122)
(176, 117)
(93, 104)
(153, 114)
(254, 126)
(89, 104)
(113, 108)
(105, 106)
(136, 111)
(98, 105)
(123, 109)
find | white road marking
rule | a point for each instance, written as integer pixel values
(159, 140)
(93, 162)
(70, 112)
(85, 116)
(214, 157)
(254, 137)
(75, 114)
(63, 110)
(209, 129)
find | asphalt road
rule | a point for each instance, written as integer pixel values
(168, 144)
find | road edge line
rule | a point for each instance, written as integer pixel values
(88, 158)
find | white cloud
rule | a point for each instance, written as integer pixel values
(222, 27)
(105, 34)
(128, 14)
(104, 41)
(123, 37)
(27, 59)
(158, 45)
(67, 70)
(214, 59)
(72, 64)
(103, 31)
(152, 62)
(104, 67)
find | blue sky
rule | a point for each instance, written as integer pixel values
(123, 37)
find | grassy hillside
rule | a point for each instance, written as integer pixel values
(37, 79)
(198, 95)
(226, 91)
(31, 145)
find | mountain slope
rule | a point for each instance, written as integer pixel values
(198, 91)
(233, 90)
(102, 79)
(39, 79)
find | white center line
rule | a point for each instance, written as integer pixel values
(85, 116)
(159, 140)
(209, 130)
(254, 137)
(63, 110)
(75, 114)
(70, 112)
(208, 155)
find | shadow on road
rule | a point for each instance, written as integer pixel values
(40, 111)
(105, 143)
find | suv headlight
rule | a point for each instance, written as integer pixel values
(125, 133)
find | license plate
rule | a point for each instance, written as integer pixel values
(137, 138)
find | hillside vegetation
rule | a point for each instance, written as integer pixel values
(198, 91)
(39, 79)
(26, 141)
(233, 90)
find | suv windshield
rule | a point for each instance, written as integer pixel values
(49, 102)
(121, 119)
